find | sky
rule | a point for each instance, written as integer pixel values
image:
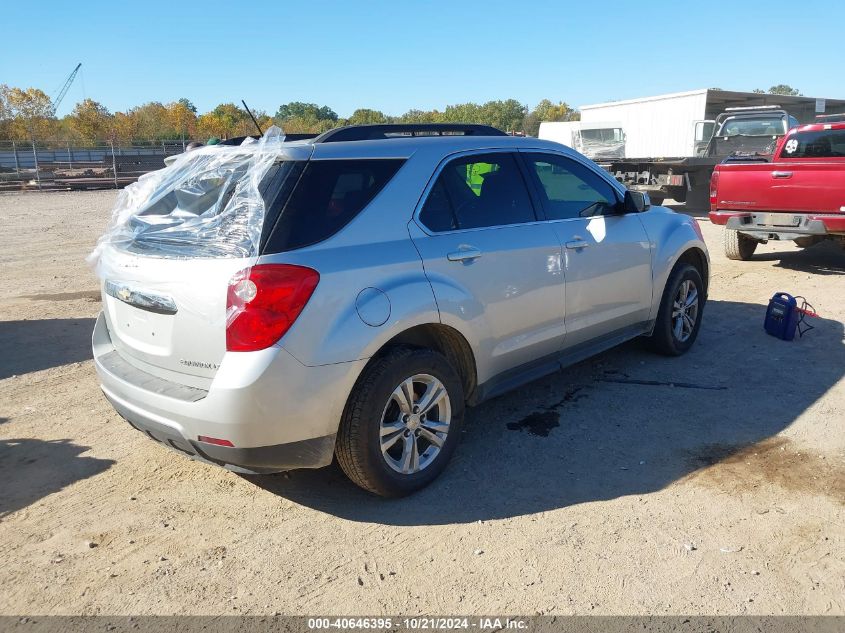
(394, 56)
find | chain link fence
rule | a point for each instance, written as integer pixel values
(58, 164)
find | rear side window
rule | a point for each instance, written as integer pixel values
(326, 197)
(820, 144)
(478, 191)
(570, 190)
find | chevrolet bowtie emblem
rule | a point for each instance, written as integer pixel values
(124, 294)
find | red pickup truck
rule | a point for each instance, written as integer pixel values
(798, 196)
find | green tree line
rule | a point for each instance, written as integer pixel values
(26, 115)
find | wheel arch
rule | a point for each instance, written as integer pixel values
(443, 339)
(696, 257)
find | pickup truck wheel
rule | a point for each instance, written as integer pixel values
(808, 241)
(681, 307)
(401, 423)
(739, 246)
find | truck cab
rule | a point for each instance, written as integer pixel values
(745, 132)
(597, 141)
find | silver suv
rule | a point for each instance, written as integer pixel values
(378, 279)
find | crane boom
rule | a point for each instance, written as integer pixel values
(58, 100)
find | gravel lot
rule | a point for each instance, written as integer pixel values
(727, 497)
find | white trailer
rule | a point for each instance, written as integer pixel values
(656, 126)
(596, 140)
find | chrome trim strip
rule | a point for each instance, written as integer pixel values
(142, 300)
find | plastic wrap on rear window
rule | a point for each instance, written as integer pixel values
(207, 203)
(179, 235)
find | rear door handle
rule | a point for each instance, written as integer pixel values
(464, 254)
(781, 174)
(577, 243)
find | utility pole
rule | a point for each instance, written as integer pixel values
(35, 156)
(113, 163)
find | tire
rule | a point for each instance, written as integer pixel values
(808, 241)
(374, 405)
(667, 338)
(739, 246)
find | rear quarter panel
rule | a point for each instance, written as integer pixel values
(331, 328)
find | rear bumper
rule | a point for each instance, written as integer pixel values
(278, 414)
(767, 225)
(312, 453)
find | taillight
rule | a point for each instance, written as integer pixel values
(714, 183)
(263, 302)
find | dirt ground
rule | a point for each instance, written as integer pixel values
(718, 487)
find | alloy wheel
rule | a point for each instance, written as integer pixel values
(415, 424)
(685, 310)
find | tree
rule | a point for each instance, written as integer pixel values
(784, 89)
(152, 121)
(305, 111)
(506, 115)
(124, 127)
(91, 121)
(780, 89)
(226, 121)
(188, 104)
(5, 112)
(548, 111)
(29, 113)
(307, 126)
(182, 118)
(363, 116)
(461, 113)
(420, 116)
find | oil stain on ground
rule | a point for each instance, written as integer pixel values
(776, 461)
(540, 423)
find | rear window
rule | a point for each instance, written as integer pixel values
(756, 126)
(201, 206)
(819, 144)
(327, 195)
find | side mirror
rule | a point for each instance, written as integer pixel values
(636, 202)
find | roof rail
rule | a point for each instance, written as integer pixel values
(299, 136)
(405, 130)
